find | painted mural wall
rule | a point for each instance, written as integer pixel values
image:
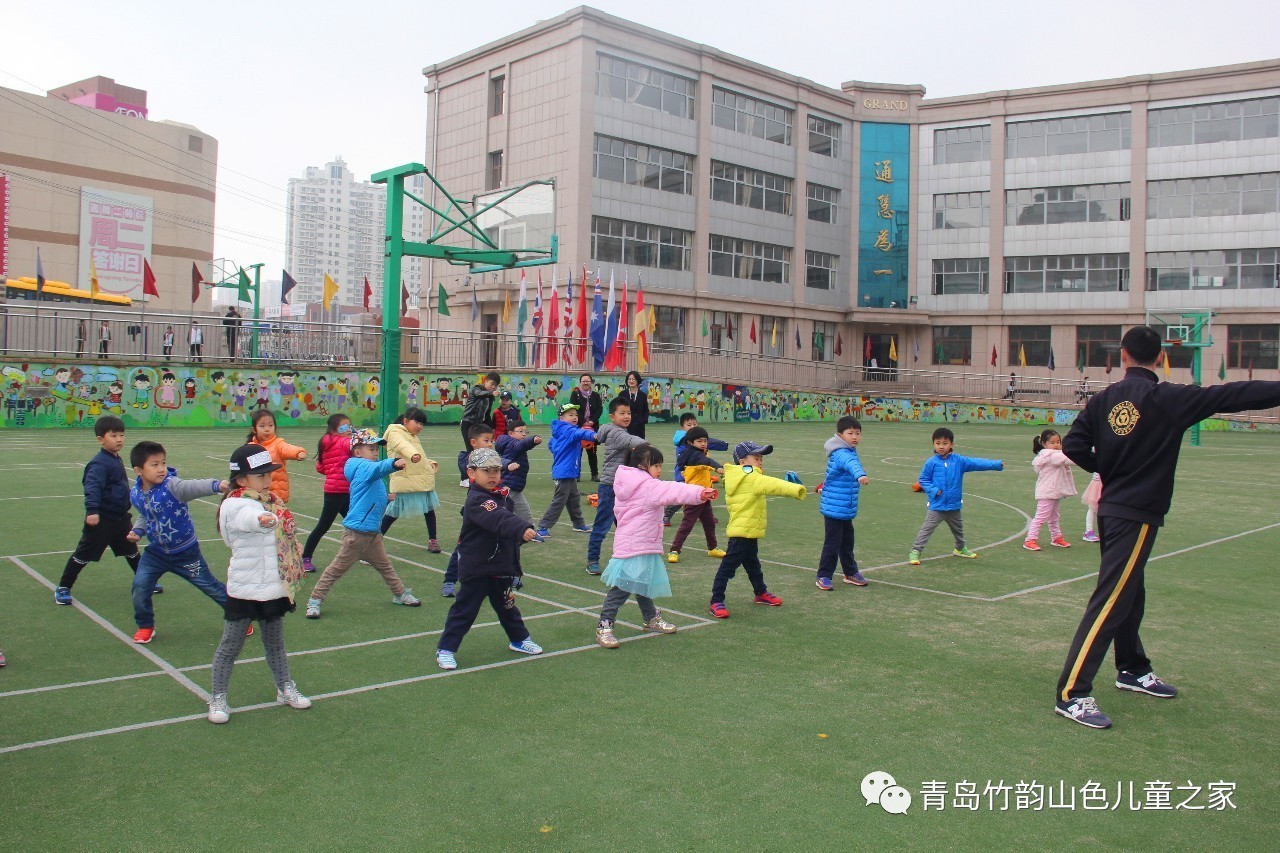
(75, 394)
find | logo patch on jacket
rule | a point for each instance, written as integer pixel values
(1123, 418)
(489, 505)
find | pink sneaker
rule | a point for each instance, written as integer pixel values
(1090, 536)
(307, 565)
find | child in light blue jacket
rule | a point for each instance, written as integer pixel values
(566, 467)
(942, 481)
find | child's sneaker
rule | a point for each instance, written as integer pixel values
(526, 647)
(1085, 712)
(659, 625)
(449, 589)
(144, 635)
(433, 547)
(581, 528)
(289, 695)
(407, 598)
(62, 595)
(604, 636)
(855, 579)
(1149, 684)
(313, 608)
(1060, 542)
(768, 598)
(718, 610)
(824, 584)
(307, 565)
(1032, 545)
(1090, 536)
(964, 552)
(666, 522)
(219, 710)
(716, 552)
(544, 533)
(2, 659)
(446, 660)
(157, 589)
(673, 557)
(913, 558)
(593, 569)
(464, 483)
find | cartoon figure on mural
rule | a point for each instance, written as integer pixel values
(238, 401)
(411, 398)
(371, 393)
(189, 390)
(444, 389)
(141, 391)
(288, 391)
(340, 388)
(219, 392)
(115, 397)
(167, 393)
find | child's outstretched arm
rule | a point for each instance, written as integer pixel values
(717, 444)
(292, 451)
(188, 490)
(668, 493)
(767, 485)
(975, 463)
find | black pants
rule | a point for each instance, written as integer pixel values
(95, 540)
(466, 450)
(837, 543)
(197, 352)
(744, 553)
(1115, 608)
(593, 461)
(388, 520)
(471, 595)
(335, 504)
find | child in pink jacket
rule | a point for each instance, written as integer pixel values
(1053, 483)
(637, 565)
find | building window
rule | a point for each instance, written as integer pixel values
(824, 136)
(962, 144)
(493, 176)
(497, 95)
(952, 344)
(1068, 135)
(1233, 269)
(724, 330)
(1226, 122)
(954, 276)
(643, 165)
(195, 144)
(824, 340)
(637, 244)
(1066, 273)
(1253, 347)
(1224, 195)
(748, 259)
(751, 116)
(750, 188)
(1036, 342)
(1057, 205)
(820, 270)
(668, 328)
(638, 84)
(335, 173)
(822, 203)
(1096, 346)
(773, 337)
(962, 210)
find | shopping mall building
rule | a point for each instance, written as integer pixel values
(762, 209)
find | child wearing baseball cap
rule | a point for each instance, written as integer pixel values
(745, 489)
(362, 534)
(263, 577)
(566, 467)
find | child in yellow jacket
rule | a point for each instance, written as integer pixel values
(414, 487)
(746, 488)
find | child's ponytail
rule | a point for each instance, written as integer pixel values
(642, 456)
(1038, 443)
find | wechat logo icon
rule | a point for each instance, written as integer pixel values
(880, 787)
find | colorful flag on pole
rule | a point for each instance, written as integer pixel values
(475, 301)
(866, 349)
(245, 287)
(39, 276)
(993, 355)
(566, 325)
(1080, 360)
(553, 323)
(196, 281)
(642, 330)
(506, 306)
(404, 299)
(610, 321)
(287, 284)
(798, 344)
(940, 355)
(773, 338)
(522, 320)
(94, 289)
(893, 349)
(617, 357)
(839, 344)
(537, 322)
(915, 355)
(331, 290)
(752, 334)
(580, 322)
(148, 280)
(706, 330)
(368, 292)
(597, 327)
(1108, 364)
(1165, 358)
(1022, 355)
(442, 300)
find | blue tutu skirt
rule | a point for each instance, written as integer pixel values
(644, 574)
(412, 503)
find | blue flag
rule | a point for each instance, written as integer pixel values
(596, 328)
(287, 284)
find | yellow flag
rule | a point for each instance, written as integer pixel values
(1165, 356)
(773, 338)
(330, 291)
(893, 349)
(1022, 355)
(506, 307)
(93, 278)
(653, 320)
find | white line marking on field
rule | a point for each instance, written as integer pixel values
(91, 683)
(41, 497)
(163, 664)
(72, 550)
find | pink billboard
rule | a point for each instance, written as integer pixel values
(115, 232)
(108, 103)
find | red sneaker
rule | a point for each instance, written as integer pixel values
(249, 633)
(718, 610)
(1061, 543)
(144, 635)
(769, 599)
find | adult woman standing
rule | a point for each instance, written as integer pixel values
(638, 399)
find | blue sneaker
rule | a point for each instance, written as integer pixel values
(446, 659)
(526, 647)
(1148, 684)
(824, 584)
(449, 590)
(62, 595)
(544, 533)
(1085, 712)
(856, 579)
(157, 589)
(593, 569)
(581, 528)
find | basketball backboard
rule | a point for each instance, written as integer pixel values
(521, 220)
(1179, 327)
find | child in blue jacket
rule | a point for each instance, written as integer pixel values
(566, 467)
(845, 478)
(942, 481)
(514, 446)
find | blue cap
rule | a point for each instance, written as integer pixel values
(750, 448)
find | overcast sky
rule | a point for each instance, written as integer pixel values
(286, 85)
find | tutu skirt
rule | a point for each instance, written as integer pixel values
(412, 503)
(1092, 493)
(644, 574)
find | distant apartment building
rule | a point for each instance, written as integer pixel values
(1035, 223)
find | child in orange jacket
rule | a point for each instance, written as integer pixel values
(262, 430)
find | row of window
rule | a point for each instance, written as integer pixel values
(1230, 121)
(1229, 269)
(1224, 195)
(727, 333)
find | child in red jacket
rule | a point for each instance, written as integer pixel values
(332, 453)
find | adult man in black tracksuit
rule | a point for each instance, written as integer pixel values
(1130, 433)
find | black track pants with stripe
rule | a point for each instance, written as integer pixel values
(1115, 608)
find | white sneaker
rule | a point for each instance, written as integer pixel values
(659, 625)
(289, 695)
(464, 483)
(446, 660)
(526, 647)
(313, 608)
(407, 598)
(219, 710)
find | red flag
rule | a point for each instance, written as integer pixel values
(1108, 363)
(752, 334)
(148, 280)
(580, 323)
(642, 331)
(839, 344)
(368, 291)
(196, 281)
(617, 355)
(404, 300)
(993, 355)
(866, 351)
(553, 325)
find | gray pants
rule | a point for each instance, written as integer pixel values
(521, 505)
(566, 495)
(272, 631)
(932, 518)
(618, 597)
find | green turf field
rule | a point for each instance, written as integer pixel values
(753, 733)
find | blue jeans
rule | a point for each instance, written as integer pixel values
(604, 520)
(188, 565)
